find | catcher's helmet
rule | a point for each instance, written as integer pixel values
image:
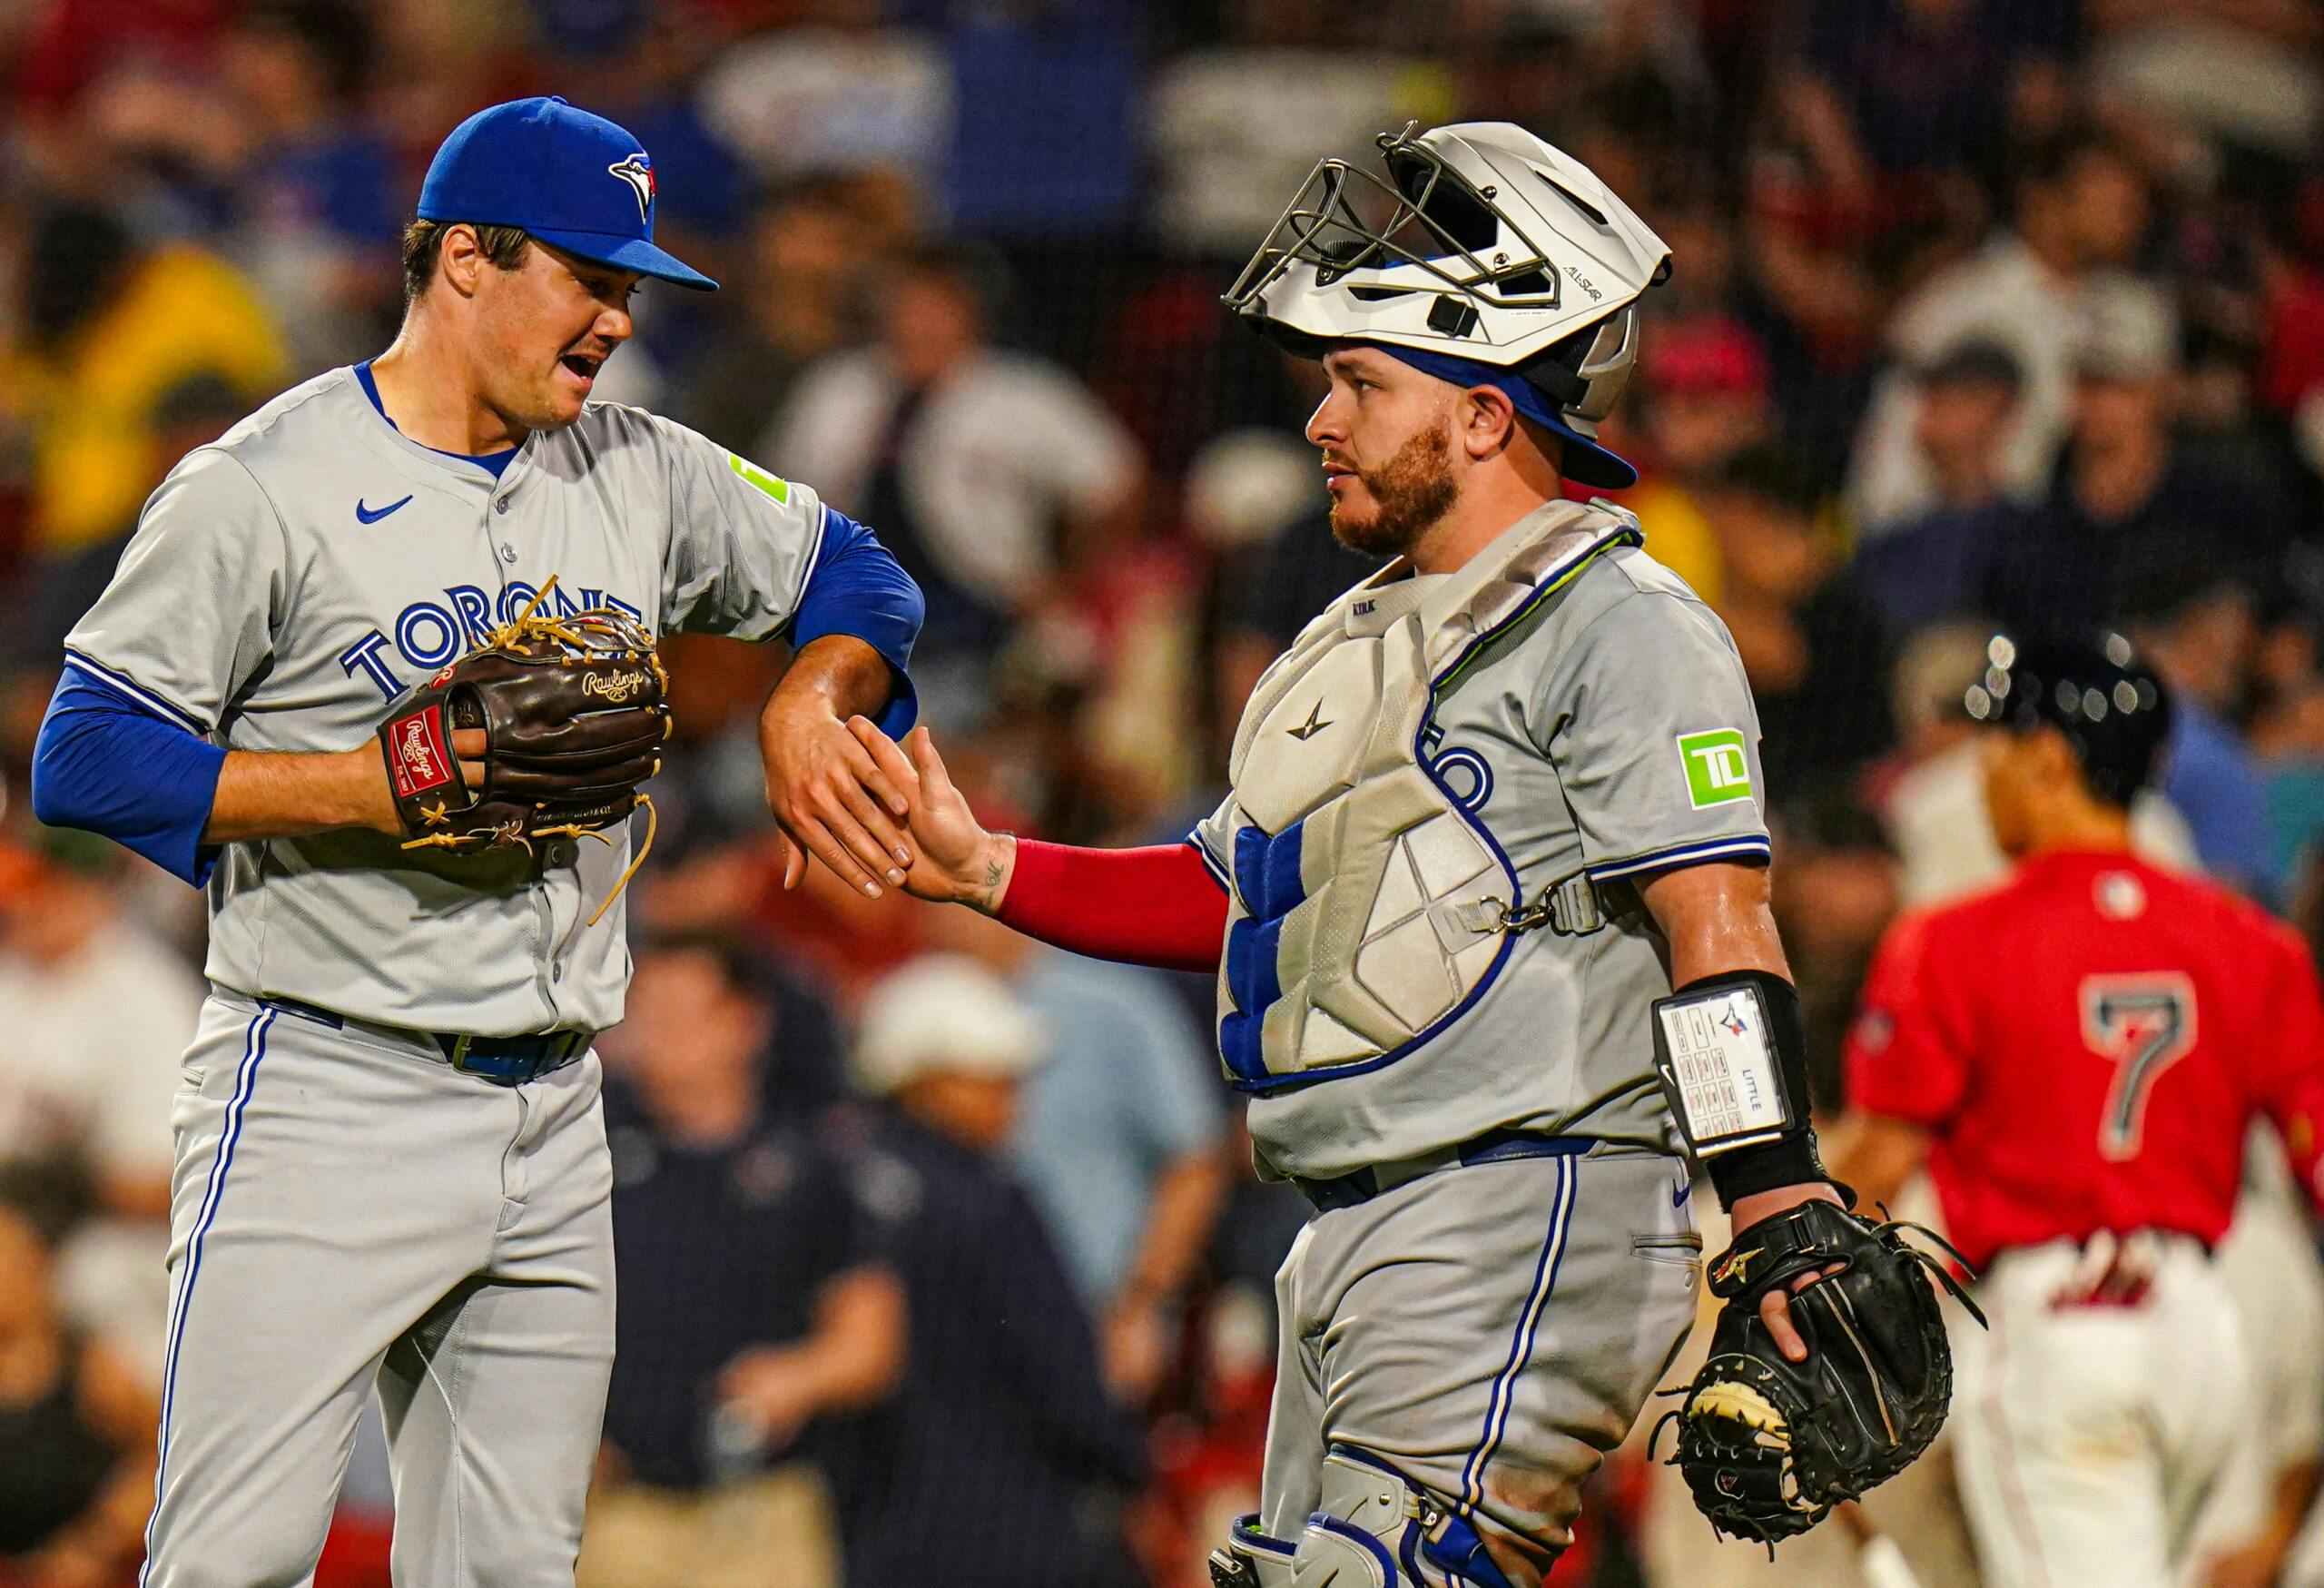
(1479, 243)
(2113, 711)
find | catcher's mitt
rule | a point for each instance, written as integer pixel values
(1770, 1446)
(572, 711)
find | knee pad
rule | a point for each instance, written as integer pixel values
(1251, 1559)
(1373, 1529)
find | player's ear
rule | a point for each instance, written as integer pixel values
(462, 261)
(1486, 421)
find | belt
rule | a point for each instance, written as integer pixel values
(1494, 1147)
(504, 1060)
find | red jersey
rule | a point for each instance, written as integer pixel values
(2087, 1045)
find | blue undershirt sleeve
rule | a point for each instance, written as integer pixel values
(857, 587)
(107, 765)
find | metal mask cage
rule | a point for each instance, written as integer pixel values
(1434, 217)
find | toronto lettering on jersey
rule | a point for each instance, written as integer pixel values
(427, 634)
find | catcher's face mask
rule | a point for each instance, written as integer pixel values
(1479, 242)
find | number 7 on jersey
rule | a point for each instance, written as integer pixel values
(2144, 1024)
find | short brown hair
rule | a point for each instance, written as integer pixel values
(423, 241)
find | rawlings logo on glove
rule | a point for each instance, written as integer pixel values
(614, 687)
(416, 760)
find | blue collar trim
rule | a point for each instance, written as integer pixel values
(492, 463)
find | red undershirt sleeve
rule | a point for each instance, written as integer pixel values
(1157, 906)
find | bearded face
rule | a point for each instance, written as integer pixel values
(1390, 507)
(1387, 454)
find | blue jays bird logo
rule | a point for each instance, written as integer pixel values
(638, 172)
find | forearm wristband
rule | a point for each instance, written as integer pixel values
(1731, 1052)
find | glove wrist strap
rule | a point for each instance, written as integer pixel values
(423, 776)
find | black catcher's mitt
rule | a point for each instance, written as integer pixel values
(1770, 1446)
(573, 716)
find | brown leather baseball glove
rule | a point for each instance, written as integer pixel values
(572, 715)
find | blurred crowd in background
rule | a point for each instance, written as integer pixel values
(940, 1255)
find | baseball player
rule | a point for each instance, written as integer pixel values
(1488, 809)
(2076, 1054)
(391, 1167)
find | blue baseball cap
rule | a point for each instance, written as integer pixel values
(575, 181)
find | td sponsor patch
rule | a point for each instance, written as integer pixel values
(1718, 770)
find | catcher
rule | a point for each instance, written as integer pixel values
(1486, 812)
(377, 670)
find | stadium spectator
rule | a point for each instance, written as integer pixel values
(844, 94)
(318, 195)
(1706, 401)
(2194, 622)
(76, 1422)
(1268, 579)
(97, 1014)
(2082, 210)
(1811, 647)
(192, 413)
(1120, 1139)
(108, 326)
(1235, 123)
(1932, 564)
(787, 1314)
(990, 474)
(1891, 91)
(1003, 1385)
(805, 252)
(2129, 508)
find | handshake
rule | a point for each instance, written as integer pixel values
(883, 816)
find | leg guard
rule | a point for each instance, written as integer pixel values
(1375, 1530)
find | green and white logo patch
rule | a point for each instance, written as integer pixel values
(1718, 771)
(779, 489)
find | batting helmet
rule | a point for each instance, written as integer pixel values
(2113, 711)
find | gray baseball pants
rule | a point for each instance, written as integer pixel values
(1489, 1331)
(349, 1211)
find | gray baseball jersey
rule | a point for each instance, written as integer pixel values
(288, 581)
(283, 585)
(1608, 730)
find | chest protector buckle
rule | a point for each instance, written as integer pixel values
(1368, 906)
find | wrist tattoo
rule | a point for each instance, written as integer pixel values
(994, 874)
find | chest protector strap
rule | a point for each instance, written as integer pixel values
(1368, 907)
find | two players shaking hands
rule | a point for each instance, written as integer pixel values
(1772, 1433)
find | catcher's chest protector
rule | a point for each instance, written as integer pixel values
(1367, 906)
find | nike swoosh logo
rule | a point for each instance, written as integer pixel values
(373, 515)
(1686, 1190)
